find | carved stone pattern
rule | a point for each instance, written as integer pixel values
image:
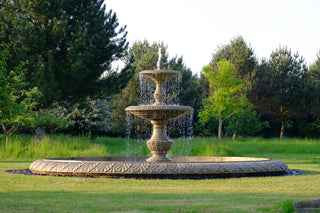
(45, 166)
(159, 145)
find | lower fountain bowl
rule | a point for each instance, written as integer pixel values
(179, 167)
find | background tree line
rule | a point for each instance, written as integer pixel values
(62, 51)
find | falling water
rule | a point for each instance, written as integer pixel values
(139, 130)
(181, 129)
(128, 133)
(147, 88)
(171, 88)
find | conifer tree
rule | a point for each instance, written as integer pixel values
(68, 44)
(239, 54)
(283, 89)
(314, 70)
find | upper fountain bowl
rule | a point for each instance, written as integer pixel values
(159, 75)
(162, 112)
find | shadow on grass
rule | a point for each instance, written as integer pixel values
(166, 177)
(310, 172)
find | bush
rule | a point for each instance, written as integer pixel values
(309, 130)
(91, 117)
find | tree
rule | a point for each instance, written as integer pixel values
(228, 98)
(68, 44)
(314, 75)
(16, 102)
(314, 70)
(246, 122)
(282, 88)
(91, 117)
(239, 54)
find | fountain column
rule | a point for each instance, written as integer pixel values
(159, 143)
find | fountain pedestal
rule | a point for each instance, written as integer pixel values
(159, 143)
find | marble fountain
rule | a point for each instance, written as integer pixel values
(159, 165)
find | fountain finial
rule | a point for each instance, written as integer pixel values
(159, 62)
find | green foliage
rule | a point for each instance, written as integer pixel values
(228, 98)
(50, 122)
(287, 206)
(314, 77)
(283, 89)
(242, 56)
(310, 130)
(90, 117)
(314, 70)
(226, 86)
(187, 83)
(68, 44)
(239, 54)
(207, 124)
(16, 102)
(246, 123)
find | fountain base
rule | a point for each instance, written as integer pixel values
(158, 157)
(180, 166)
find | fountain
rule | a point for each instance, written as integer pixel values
(159, 113)
(159, 164)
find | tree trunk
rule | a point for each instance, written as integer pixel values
(8, 132)
(282, 122)
(220, 126)
(7, 139)
(235, 131)
(282, 129)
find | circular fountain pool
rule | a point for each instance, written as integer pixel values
(179, 167)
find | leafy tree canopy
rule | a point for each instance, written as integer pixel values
(16, 102)
(239, 53)
(228, 98)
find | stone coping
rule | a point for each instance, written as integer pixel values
(158, 107)
(175, 159)
(179, 166)
(159, 112)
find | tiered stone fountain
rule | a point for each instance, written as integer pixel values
(159, 114)
(159, 164)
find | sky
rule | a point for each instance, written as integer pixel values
(195, 29)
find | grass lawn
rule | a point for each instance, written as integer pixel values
(25, 193)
